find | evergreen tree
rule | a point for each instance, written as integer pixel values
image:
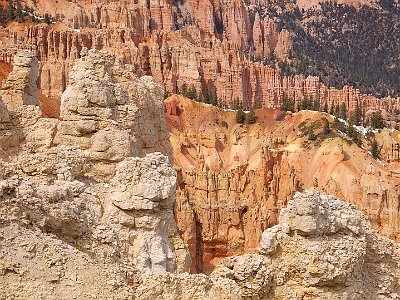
(337, 111)
(356, 116)
(237, 104)
(18, 12)
(287, 103)
(48, 21)
(316, 104)
(192, 93)
(207, 98)
(354, 135)
(377, 120)
(326, 129)
(343, 111)
(240, 116)
(1, 15)
(213, 101)
(375, 150)
(332, 109)
(326, 109)
(183, 90)
(10, 10)
(251, 118)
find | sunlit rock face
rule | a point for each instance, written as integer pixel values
(86, 202)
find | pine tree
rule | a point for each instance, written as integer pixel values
(18, 12)
(332, 109)
(354, 135)
(343, 111)
(240, 116)
(375, 150)
(10, 10)
(326, 109)
(326, 129)
(48, 21)
(183, 90)
(251, 118)
(235, 104)
(356, 116)
(377, 120)
(337, 111)
(214, 101)
(192, 93)
(287, 103)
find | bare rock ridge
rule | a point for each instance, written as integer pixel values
(78, 217)
(322, 248)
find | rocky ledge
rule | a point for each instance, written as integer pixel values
(322, 248)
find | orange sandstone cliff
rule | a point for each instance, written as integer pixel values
(233, 179)
(206, 44)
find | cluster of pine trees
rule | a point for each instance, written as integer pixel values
(15, 12)
(208, 98)
(355, 117)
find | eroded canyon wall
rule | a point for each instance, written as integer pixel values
(233, 179)
(176, 44)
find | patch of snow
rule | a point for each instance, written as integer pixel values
(342, 134)
(33, 15)
(342, 121)
(362, 130)
(378, 160)
(381, 162)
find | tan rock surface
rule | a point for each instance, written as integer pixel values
(20, 86)
(80, 221)
(339, 257)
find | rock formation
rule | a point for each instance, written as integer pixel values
(20, 87)
(87, 200)
(86, 206)
(233, 179)
(176, 44)
(322, 248)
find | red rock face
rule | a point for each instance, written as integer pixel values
(211, 54)
(233, 179)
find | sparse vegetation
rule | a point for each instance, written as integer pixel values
(377, 121)
(287, 103)
(251, 117)
(14, 12)
(375, 149)
(240, 116)
(340, 44)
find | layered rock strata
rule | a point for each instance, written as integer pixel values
(322, 248)
(86, 206)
